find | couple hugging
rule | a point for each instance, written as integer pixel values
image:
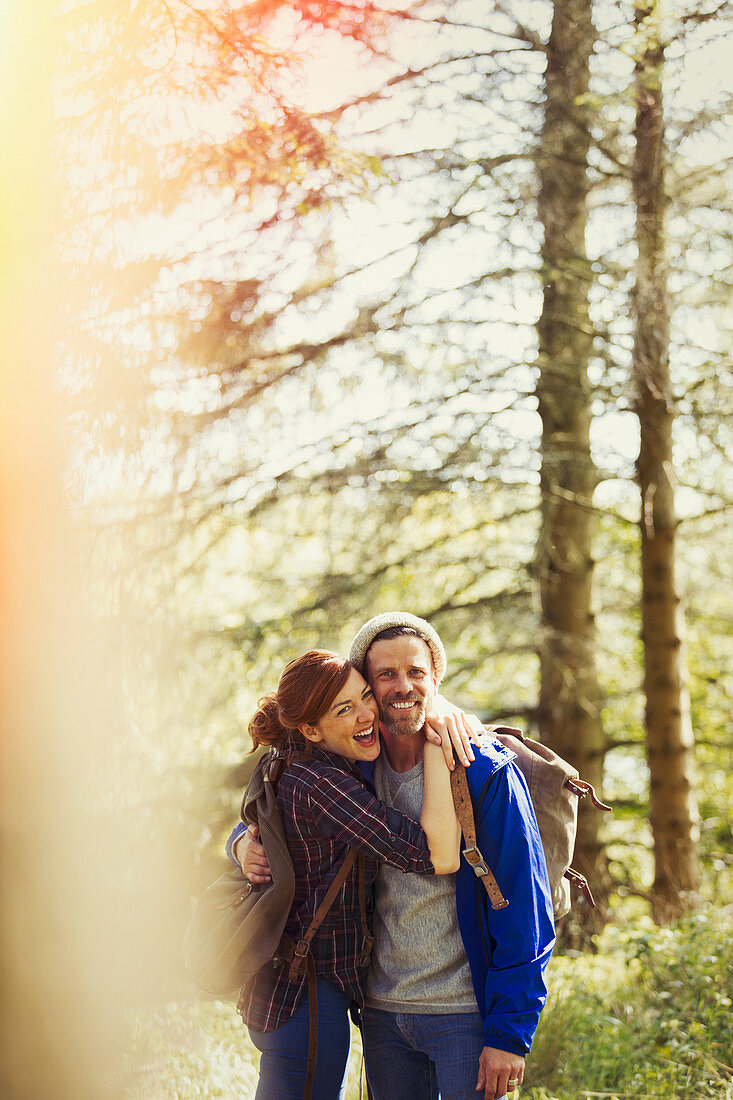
(451, 995)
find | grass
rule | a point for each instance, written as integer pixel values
(650, 1015)
(199, 1050)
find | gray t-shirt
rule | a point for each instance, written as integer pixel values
(419, 962)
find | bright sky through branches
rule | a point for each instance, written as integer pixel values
(373, 235)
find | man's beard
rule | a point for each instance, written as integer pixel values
(409, 724)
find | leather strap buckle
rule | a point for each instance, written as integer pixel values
(476, 860)
(300, 956)
(366, 949)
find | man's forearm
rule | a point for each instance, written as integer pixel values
(236, 834)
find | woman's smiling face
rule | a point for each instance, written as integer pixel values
(349, 726)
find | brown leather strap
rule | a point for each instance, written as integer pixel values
(362, 894)
(279, 760)
(367, 940)
(275, 769)
(581, 882)
(471, 853)
(299, 955)
(302, 947)
(310, 1073)
(582, 788)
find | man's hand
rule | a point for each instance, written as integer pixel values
(451, 728)
(250, 851)
(499, 1072)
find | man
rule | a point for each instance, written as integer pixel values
(455, 987)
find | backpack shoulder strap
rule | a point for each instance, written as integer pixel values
(464, 813)
(299, 955)
(301, 949)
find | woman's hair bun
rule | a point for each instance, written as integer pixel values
(265, 727)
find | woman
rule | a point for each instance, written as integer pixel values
(323, 720)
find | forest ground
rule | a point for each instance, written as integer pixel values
(649, 1014)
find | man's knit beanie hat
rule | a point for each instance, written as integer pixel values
(375, 626)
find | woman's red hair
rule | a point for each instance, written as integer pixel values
(307, 688)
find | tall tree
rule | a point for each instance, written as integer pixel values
(321, 366)
(568, 712)
(670, 742)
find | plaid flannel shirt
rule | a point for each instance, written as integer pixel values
(326, 808)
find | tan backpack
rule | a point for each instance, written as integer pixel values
(555, 789)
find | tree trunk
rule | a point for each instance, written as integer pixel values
(569, 701)
(673, 806)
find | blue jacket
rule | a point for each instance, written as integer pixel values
(508, 949)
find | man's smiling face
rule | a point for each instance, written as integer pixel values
(400, 671)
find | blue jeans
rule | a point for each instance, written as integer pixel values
(284, 1060)
(414, 1056)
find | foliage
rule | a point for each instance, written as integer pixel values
(651, 1015)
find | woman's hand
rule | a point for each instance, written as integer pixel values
(451, 728)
